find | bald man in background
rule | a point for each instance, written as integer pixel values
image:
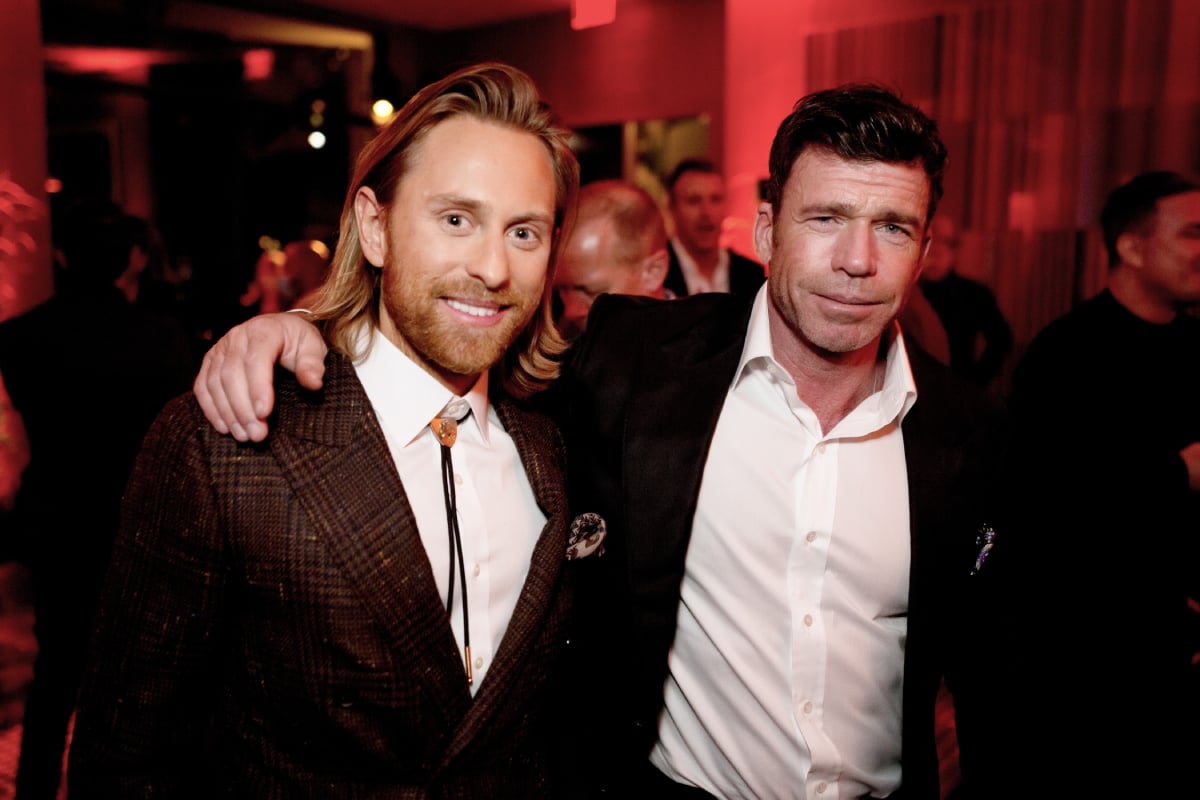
(618, 245)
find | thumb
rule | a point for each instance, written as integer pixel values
(304, 354)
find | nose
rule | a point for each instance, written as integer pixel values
(490, 264)
(854, 251)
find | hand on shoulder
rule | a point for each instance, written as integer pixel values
(235, 384)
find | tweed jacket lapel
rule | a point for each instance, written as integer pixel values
(543, 466)
(335, 456)
(332, 446)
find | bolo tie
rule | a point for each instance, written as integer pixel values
(445, 428)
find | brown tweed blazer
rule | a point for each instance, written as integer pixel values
(271, 628)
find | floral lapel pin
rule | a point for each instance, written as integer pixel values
(587, 536)
(984, 541)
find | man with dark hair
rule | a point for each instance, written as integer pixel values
(696, 200)
(1103, 579)
(978, 336)
(797, 506)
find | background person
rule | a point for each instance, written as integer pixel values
(618, 244)
(287, 277)
(1103, 582)
(979, 337)
(287, 620)
(696, 200)
(82, 445)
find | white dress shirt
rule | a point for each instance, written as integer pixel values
(785, 676)
(696, 281)
(499, 518)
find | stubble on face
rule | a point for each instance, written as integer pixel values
(444, 348)
(469, 234)
(845, 250)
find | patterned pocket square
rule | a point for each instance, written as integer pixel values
(587, 536)
(984, 541)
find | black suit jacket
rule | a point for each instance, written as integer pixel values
(271, 626)
(642, 392)
(745, 275)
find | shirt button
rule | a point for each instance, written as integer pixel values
(476, 571)
(478, 662)
(808, 708)
(458, 479)
(821, 787)
(811, 537)
(808, 620)
(821, 448)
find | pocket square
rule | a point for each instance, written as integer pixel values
(587, 536)
(984, 541)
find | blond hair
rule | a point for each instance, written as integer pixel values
(491, 92)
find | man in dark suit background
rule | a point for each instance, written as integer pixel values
(696, 200)
(82, 445)
(797, 506)
(977, 333)
(288, 620)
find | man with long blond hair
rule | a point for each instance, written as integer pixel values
(348, 609)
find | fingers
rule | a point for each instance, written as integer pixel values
(235, 386)
(221, 387)
(211, 407)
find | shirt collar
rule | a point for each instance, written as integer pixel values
(695, 282)
(405, 393)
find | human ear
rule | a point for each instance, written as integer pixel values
(764, 225)
(654, 271)
(1129, 248)
(370, 217)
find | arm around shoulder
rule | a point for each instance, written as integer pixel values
(235, 385)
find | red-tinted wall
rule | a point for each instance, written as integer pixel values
(659, 59)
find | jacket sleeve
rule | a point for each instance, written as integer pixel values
(149, 686)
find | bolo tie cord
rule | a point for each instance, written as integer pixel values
(456, 549)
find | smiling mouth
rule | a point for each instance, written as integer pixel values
(472, 309)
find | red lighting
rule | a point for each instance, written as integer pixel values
(107, 60)
(257, 64)
(590, 13)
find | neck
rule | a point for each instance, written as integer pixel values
(706, 260)
(834, 394)
(1138, 300)
(831, 384)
